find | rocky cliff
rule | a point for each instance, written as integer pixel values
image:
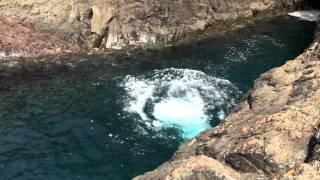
(272, 134)
(119, 23)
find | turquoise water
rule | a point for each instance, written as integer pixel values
(118, 116)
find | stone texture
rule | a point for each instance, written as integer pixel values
(20, 39)
(196, 168)
(100, 18)
(274, 132)
(120, 23)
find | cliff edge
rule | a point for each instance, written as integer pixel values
(272, 134)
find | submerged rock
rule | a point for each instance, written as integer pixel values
(273, 133)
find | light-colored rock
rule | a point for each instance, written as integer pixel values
(196, 168)
(101, 16)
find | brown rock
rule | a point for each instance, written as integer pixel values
(116, 24)
(19, 39)
(196, 168)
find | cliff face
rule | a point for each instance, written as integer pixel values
(19, 39)
(119, 23)
(273, 133)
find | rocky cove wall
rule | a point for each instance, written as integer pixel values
(272, 134)
(119, 23)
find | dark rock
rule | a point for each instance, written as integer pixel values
(239, 162)
(314, 149)
(251, 163)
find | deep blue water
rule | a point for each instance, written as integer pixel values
(115, 117)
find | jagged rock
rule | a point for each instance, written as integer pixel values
(116, 24)
(273, 132)
(101, 16)
(314, 149)
(254, 163)
(197, 168)
(302, 172)
(267, 136)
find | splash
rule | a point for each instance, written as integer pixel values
(181, 98)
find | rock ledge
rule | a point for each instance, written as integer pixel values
(274, 132)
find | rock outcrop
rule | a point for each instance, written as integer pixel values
(20, 39)
(119, 23)
(273, 133)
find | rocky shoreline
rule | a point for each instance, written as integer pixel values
(272, 134)
(31, 28)
(20, 39)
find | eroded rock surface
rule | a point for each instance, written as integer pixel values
(21, 39)
(273, 133)
(119, 23)
(197, 167)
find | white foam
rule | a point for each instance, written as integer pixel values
(186, 112)
(179, 98)
(310, 15)
(139, 92)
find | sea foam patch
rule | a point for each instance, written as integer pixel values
(182, 98)
(311, 15)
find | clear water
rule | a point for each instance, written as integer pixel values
(117, 117)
